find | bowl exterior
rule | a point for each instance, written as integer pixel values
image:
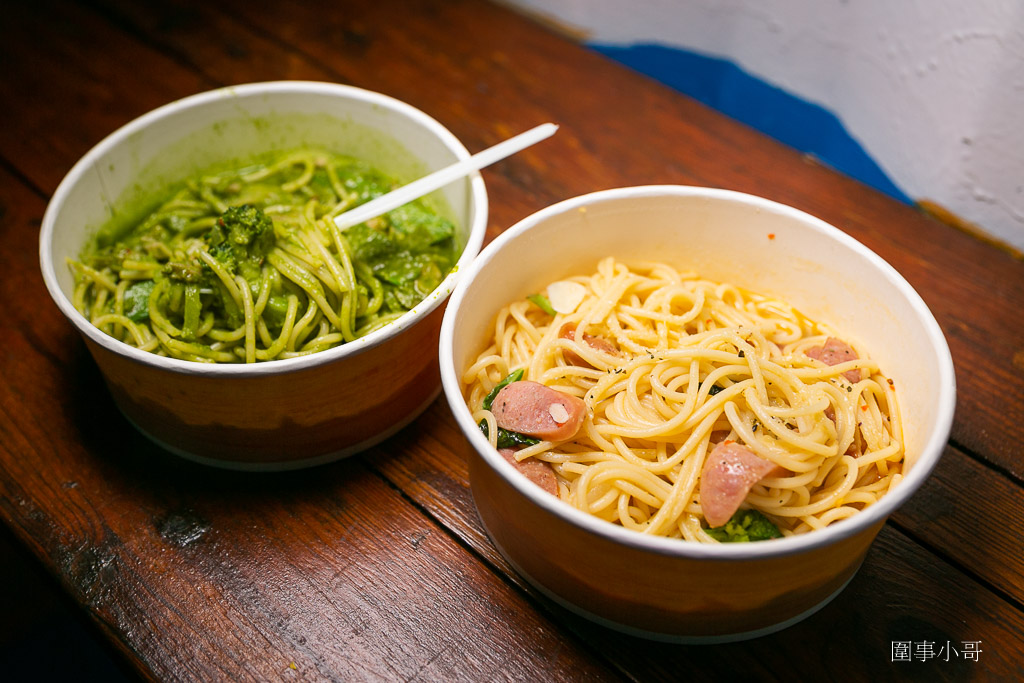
(281, 414)
(668, 597)
(281, 420)
(659, 587)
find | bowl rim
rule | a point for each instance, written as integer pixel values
(475, 234)
(776, 548)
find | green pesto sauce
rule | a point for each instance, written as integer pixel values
(246, 137)
(267, 221)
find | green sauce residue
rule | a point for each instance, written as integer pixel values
(245, 264)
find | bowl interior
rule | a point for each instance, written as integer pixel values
(123, 175)
(729, 237)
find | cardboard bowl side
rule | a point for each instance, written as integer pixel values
(673, 598)
(724, 236)
(283, 420)
(262, 415)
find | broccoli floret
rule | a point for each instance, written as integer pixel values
(745, 525)
(241, 240)
(184, 271)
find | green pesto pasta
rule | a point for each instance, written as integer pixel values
(247, 265)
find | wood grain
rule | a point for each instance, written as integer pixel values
(331, 570)
(973, 516)
(902, 592)
(625, 145)
(244, 578)
(377, 567)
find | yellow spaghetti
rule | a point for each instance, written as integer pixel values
(247, 264)
(683, 366)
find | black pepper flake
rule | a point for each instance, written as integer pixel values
(741, 354)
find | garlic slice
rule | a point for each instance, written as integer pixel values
(565, 296)
(558, 413)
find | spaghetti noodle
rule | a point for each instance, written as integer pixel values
(673, 369)
(247, 265)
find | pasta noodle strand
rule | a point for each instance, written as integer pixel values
(697, 364)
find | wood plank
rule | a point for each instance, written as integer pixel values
(220, 47)
(501, 52)
(75, 79)
(973, 515)
(892, 598)
(149, 543)
(902, 592)
(201, 574)
(978, 526)
(329, 575)
(39, 620)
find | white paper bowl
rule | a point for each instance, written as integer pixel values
(285, 413)
(671, 589)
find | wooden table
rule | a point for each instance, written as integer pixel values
(377, 567)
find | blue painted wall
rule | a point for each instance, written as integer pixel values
(722, 85)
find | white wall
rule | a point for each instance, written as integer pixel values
(932, 89)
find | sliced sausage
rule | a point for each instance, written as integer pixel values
(537, 471)
(597, 343)
(729, 472)
(536, 410)
(833, 352)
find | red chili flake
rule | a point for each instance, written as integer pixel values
(864, 407)
(771, 235)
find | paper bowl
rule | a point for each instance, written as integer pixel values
(671, 589)
(284, 413)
